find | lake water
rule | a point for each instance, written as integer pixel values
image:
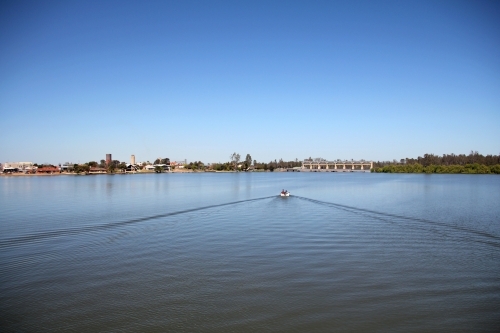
(211, 252)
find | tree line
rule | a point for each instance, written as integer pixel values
(277, 164)
(236, 164)
(448, 163)
(111, 167)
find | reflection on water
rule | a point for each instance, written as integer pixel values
(222, 252)
(109, 188)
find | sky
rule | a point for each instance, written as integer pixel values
(199, 80)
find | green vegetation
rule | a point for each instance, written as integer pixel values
(419, 168)
(247, 164)
(235, 159)
(248, 161)
(277, 164)
(474, 163)
(222, 166)
(44, 165)
(81, 168)
(122, 166)
(111, 168)
(197, 165)
(162, 161)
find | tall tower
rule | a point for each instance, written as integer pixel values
(108, 159)
(132, 159)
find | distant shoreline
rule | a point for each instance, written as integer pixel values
(378, 170)
(20, 174)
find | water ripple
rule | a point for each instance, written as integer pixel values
(486, 238)
(72, 231)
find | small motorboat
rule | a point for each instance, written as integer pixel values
(285, 193)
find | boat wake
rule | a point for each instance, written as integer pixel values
(480, 236)
(442, 228)
(91, 228)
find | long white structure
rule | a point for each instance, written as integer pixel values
(18, 165)
(322, 165)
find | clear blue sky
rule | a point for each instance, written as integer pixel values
(276, 79)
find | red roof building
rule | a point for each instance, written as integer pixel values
(47, 169)
(94, 170)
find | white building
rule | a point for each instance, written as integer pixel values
(18, 165)
(164, 167)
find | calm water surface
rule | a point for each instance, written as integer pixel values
(224, 253)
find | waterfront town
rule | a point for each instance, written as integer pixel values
(429, 163)
(105, 166)
(162, 165)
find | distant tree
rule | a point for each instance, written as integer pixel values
(158, 169)
(165, 161)
(122, 166)
(111, 168)
(78, 168)
(157, 161)
(248, 160)
(235, 159)
(92, 164)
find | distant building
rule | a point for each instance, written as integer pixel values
(132, 159)
(10, 170)
(18, 165)
(164, 167)
(108, 159)
(67, 167)
(48, 169)
(180, 162)
(97, 170)
(131, 167)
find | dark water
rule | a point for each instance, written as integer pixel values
(224, 253)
